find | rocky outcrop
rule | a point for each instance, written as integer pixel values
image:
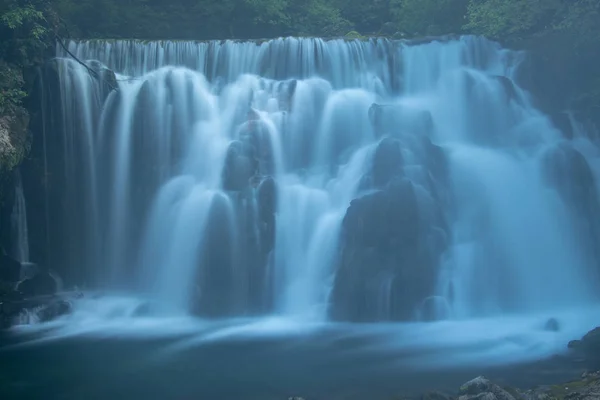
(481, 388)
(567, 172)
(14, 139)
(250, 157)
(394, 235)
(588, 348)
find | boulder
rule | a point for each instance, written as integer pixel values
(54, 310)
(552, 325)
(588, 348)
(585, 388)
(41, 284)
(385, 270)
(481, 388)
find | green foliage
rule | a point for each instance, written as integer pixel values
(429, 17)
(25, 31)
(367, 17)
(11, 88)
(25, 16)
(507, 19)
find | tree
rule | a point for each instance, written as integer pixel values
(512, 19)
(429, 17)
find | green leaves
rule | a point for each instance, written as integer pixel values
(19, 16)
(508, 19)
(428, 17)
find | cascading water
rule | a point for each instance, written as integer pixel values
(360, 181)
(19, 223)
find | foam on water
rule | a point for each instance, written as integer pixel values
(480, 342)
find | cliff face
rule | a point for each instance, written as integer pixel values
(14, 139)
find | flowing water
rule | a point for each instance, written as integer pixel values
(216, 179)
(18, 221)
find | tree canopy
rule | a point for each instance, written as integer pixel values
(565, 32)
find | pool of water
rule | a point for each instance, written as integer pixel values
(107, 350)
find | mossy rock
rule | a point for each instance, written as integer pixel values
(14, 139)
(353, 35)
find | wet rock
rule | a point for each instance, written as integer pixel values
(510, 90)
(106, 77)
(39, 285)
(55, 310)
(267, 196)
(567, 172)
(481, 388)
(267, 206)
(552, 325)
(385, 270)
(588, 348)
(586, 388)
(387, 162)
(239, 167)
(10, 269)
(562, 121)
(14, 138)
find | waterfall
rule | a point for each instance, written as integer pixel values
(20, 251)
(356, 180)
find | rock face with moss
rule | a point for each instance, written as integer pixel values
(14, 140)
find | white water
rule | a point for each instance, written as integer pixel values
(169, 228)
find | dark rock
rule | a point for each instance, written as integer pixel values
(586, 388)
(510, 91)
(55, 310)
(41, 284)
(267, 196)
(387, 162)
(10, 269)
(240, 166)
(482, 389)
(552, 325)
(267, 206)
(588, 348)
(385, 270)
(567, 171)
(562, 121)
